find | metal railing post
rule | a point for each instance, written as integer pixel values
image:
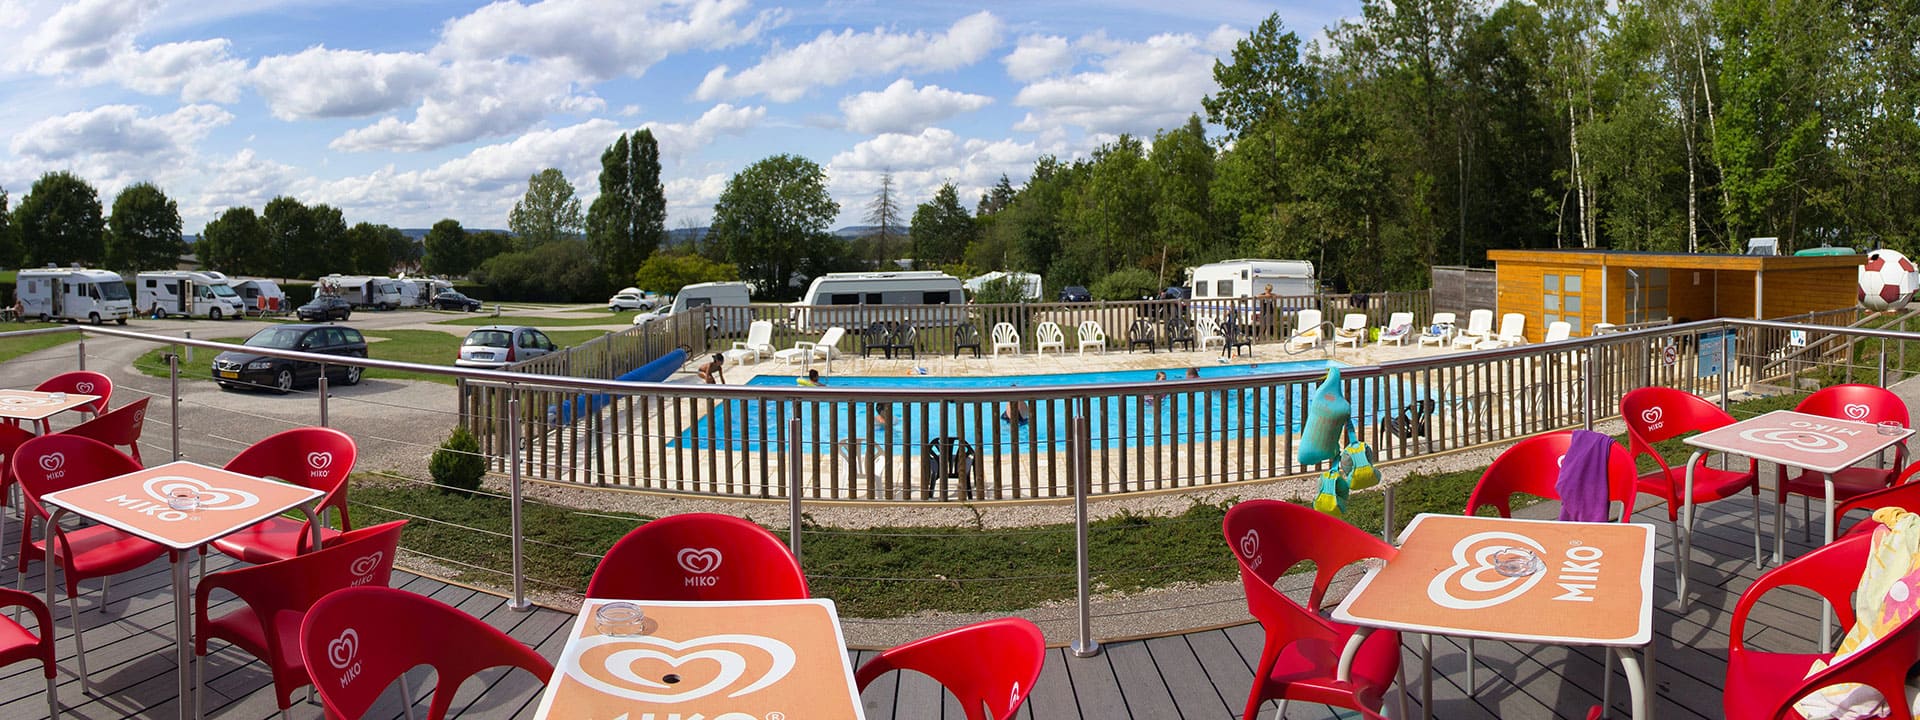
(1586, 388)
(1883, 362)
(1081, 455)
(83, 353)
(173, 394)
(1727, 334)
(793, 482)
(189, 348)
(320, 388)
(519, 601)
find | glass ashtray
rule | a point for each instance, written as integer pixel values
(619, 618)
(1515, 562)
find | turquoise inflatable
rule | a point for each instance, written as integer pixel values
(1328, 413)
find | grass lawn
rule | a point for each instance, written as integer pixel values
(11, 348)
(426, 347)
(600, 317)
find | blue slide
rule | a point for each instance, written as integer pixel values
(660, 369)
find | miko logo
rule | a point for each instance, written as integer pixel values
(1651, 416)
(343, 653)
(211, 498)
(51, 463)
(319, 461)
(1793, 439)
(607, 663)
(1472, 583)
(700, 564)
(1250, 544)
(363, 568)
(1856, 411)
(1013, 698)
(84, 387)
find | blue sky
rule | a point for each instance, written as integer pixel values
(406, 111)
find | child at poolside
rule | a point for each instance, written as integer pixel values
(710, 373)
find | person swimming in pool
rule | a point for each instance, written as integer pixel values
(1017, 412)
(1157, 377)
(811, 380)
(1193, 373)
(883, 417)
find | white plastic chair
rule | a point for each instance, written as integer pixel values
(1513, 331)
(1048, 335)
(1479, 329)
(1399, 328)
(806, 352)
(1352, 330)
(1005, 338)
(1306, 330)
(1206, 331)
(759, 344)
(1559, 330)
(1443, 322)
(1092, 335)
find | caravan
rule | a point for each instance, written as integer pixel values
(419, 292)
(188, 293)
(261, 296)
(826, 302)
(73, 294)
(364, 291)
(1252, 278)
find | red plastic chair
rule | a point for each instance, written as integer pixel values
(50, 463)
(278, 594)
(18, 644)
(119, 428)
(1657, 414)
(988, 665)
(1527, 468)
(11, 436)
(377, 633)
(699, 556)
(85, 382)
(1904, 494)
(1765, 685)
(1859, 403)
(314, 457)
(1302, 651)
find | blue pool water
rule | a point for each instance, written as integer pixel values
(1118, 422)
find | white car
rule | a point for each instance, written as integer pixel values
(497, 346)
(631, 299)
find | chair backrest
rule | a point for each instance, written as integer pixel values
(1479, 322)
(1559, 330)
(1399, 323)
(760, 334)
(1091, 330)
(315, 457)
(1859, 403)
(1307, 322)
(1269, 537)
(51, 463)
(85, 382)
(1140, 328)
(1206, 326)
(831, 337)
(1513, 324)
(120, 427)
(698, 556)
(1655, 414)
(1004, 334)
(1048, 332)
(1444, 318)
(11, 437)
(1531, 467)
(966, 334)
(1353, 321)
(358, 558)
(357, 641)
(989, 665)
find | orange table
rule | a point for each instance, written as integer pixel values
(137, 503)
(1595, 587)
(34, 405)
(718, 660)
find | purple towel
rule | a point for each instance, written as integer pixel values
(1583, 477)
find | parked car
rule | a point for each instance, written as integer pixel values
(239, 368)
(325, 307)
(451, 300)
(496, 346)
(1075, 293)
(632, 299)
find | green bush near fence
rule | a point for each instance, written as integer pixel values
(458, 466)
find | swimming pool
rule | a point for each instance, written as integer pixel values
(1120, 421)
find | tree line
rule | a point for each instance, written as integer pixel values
(60, 222)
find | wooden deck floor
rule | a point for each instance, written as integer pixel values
(1202, 675)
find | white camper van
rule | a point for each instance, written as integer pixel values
(365, 291)
(1029, 283)
(261, 296)
(701, 295)
(1252, 278)
(820, 308)
(188, 293)
(95, 296)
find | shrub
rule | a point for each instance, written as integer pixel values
(1003, 290)
(1126, 284)
(458, 465)
(559, 271)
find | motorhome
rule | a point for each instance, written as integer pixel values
(381, 293)
(835, 299)
(95, 296)
(419, 292)
(702, 295)
(188, 293)
(1252, 278)
(1029, 283)
(261, 296)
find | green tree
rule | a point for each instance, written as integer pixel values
(294, 244)
(1264, 81)
(883, 212)
(772, 220)
(405, 252)
(548, 212)
(554, 272)
(1109, 218)
(370, 248)
(236, 243)
(1779, 63)
(9, 245)
(1183, 224)
(628, 221)
(330, 251)
(668, 272)
(144, 230)
(941, 229)
(1126, 284)
(59, 222)
(483, 245)
(448, 252)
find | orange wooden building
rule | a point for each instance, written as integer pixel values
(1585, 287)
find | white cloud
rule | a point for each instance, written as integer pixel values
(475, 100)
(1038, 56)
(322, 83)
(198, 71)
(92, 42)
(116, 145)
(83, 36)
(600, 38)
(682, 140)
(921, 163)
(1138, 88)
(901, 108)
(785, 75)
(931, 148)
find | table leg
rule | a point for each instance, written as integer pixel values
(313, 524)
(183, 628)
(1779, 513)
(1636, 682)
(1683, 545)
(1345, 669)
(1826, 609)
(1426, 676)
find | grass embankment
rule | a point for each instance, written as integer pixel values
(11, 348)
(601, 317)
(426, 347)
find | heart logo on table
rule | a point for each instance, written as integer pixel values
(1652, 415)
(211, 498)
(341, 650)
(1802, 440)
(613, 672)
(1857, 411)
(1472, 583)
(85, 387)
(51, 462)
(701, 561)
(319, 460)
(1250, 544)
(365, 565)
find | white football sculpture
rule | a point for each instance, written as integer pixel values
(1887, 281)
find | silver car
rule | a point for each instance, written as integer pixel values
(497, 346)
